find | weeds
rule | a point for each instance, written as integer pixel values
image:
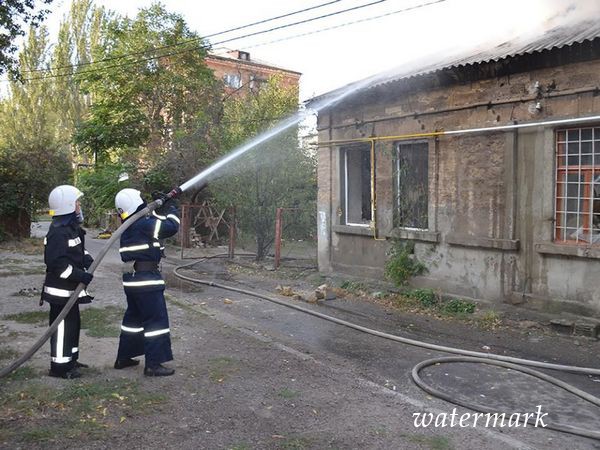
(73, 410)
(490, 320)
(102, 322)
(353, 286)
(288, 393)
(31, 317)
(221, 368)
(429, 299)
(402, 264)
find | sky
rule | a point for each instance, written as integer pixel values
(329, 59)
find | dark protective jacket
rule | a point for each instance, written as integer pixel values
(66, 260)
(141, 243)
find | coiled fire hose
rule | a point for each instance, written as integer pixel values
(467, 356)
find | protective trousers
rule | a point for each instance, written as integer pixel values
(145, 328)
(64, 343)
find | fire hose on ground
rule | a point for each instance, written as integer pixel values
(466, 356)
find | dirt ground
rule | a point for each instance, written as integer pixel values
(254, 375)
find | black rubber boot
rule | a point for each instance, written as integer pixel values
(158, 371)
(69, 374)
(122, 363)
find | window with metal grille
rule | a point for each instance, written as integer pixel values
(577, 211)
(356, 185)
(411, 176)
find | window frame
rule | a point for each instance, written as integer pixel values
(586, 198)
(344, 185)
(397, 184)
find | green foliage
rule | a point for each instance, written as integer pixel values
(426, 297)
(32, 161)
(99, 186)
(458, 306)
(13, 15)
(275, 173)
(144, 103)
(402, 264)
(353, 286)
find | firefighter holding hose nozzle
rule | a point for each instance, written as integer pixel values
(145, 326)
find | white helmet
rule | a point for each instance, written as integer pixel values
(127, 201)
(62, 199)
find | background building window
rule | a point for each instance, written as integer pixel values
(411, 176)
(356, 185)
(233, 80)
(577, 212)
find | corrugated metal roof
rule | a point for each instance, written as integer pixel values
(557, 37)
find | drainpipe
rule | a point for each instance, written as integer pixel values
(374, 194)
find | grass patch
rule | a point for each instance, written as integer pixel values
(288, 393)
(71, 410)
(11, 271)
(102, 322)
(99, 322)
(457, 306)
(22, 373)
(221, 368)
(8, 353)
(27, 246)
(431, 442)
(240, 447)
(295, 444)
(31, 317)
(354, 287)
(490, 320)
(432, 301)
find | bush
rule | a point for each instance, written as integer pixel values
(458, 306)
(426, 297)
(402, 264)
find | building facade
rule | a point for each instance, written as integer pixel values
(240, 73)
(489, 165)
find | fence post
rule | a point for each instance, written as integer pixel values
(278, 237)
(232, 233)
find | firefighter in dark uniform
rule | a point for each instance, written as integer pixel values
(66, 263)
(145, 327)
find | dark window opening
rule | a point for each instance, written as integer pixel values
(411, 185)
(356, 185)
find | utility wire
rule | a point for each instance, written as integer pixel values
(241, 27)
(344, 24)
(233, 39)
(197, 48)
(196, 40)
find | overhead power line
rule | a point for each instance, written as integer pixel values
(128, 63)
(344, 24)
(200, 39)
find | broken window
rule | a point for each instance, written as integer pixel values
(411, 177)
(356, 185)
(577, 212)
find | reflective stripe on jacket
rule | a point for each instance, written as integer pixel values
(141, 242)
(66, 260)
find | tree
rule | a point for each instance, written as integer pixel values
(141, 102)
(32, 160)
(13, 15)
(276, 173)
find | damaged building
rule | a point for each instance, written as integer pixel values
(489, 165)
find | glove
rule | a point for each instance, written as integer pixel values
(169, 204)
(86, 278)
